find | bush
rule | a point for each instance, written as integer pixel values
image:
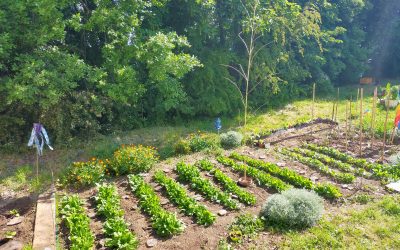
(133, 159)
(182, 147)
(232, 139)
(297, 208)
(82, 174)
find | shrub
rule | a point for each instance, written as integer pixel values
(297, 208)
(199, 141)
(133, 159)
(182, 147)
(82, 174)
(232, 139)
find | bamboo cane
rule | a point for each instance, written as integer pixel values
(358, 94)
(347, 128)
(385, 127)
(313, 101)
(37, 167)
(361, 119)
(373, 115)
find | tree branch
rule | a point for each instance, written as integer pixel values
(237, 70)
(237, 87)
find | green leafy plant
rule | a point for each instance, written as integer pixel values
(316, 164)
(85, 174)
(228, 184)
(379, 171)
(285, 174)
(231, 139)
(178, 196)
(73, 215)
(191, 175)
(115, 228)
(14, 213)
(331, 161)
(262, 179)
(245, 225)
(163, 222)
(133, 159)
(10, 234)
(182, 147)
(297, 208)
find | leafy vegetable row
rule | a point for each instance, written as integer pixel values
(78, 223)
(177, 195)
(229, 184)
(263, 179)
(163, 222)
(191, 175)
(379, 171)
(331, 161)
(115, 228)
(314, 163)
(285, 174)
(326, 190)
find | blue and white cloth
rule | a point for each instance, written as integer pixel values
(38, 138)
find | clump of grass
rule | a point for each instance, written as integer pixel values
(245, 226)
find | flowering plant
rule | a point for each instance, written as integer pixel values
(133, 159)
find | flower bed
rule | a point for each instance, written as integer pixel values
(178, 196)
(228, 184)
(191, 175)
(163, 222)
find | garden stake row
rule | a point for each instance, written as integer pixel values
(347, 128)
(361, 119)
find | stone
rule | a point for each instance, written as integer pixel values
(151, 242)
(234, 196)
(12, 245)
(209, 175)
(314, 178)
(198, 198)
(91, 214)
(345, 186)
(222, 212)
(125, 197)
(15, 221)
(281, 164)
(167, 170)
(143, 174)
(350, 188)
(262, 157)
(164, 202)
(134, 207)
(394, 186)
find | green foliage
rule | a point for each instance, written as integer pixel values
(163, 222)
(245, 225)
(296, 208)
(84, 174)
(133, 159)
(379, 171)
(177, 195)
(115, 228)
(263, 179)
(77, 222)
(195, 142)
(191, 175)
(314, 163)
(231, 139)
(285, 174)
(182, 147)
(228, 184)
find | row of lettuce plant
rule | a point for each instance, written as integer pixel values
(318, 165)
(164, 223)
(191, 175)
(332, 162)
(177, 195)
(285, 174)
(326, 190)
(379, 171)
(115, 228)
(262, 179)
(73, 215)
(226, 182)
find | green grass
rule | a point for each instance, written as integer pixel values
(372, 226)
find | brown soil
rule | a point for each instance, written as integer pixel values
(26, 206)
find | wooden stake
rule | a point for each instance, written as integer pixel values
(313, 101)
(347, 128)
(337, 104)
(373, 114)
(358, 94)
(37, 167)
(385, 128)
(392, 135)
(361, 119)
(351, 113)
